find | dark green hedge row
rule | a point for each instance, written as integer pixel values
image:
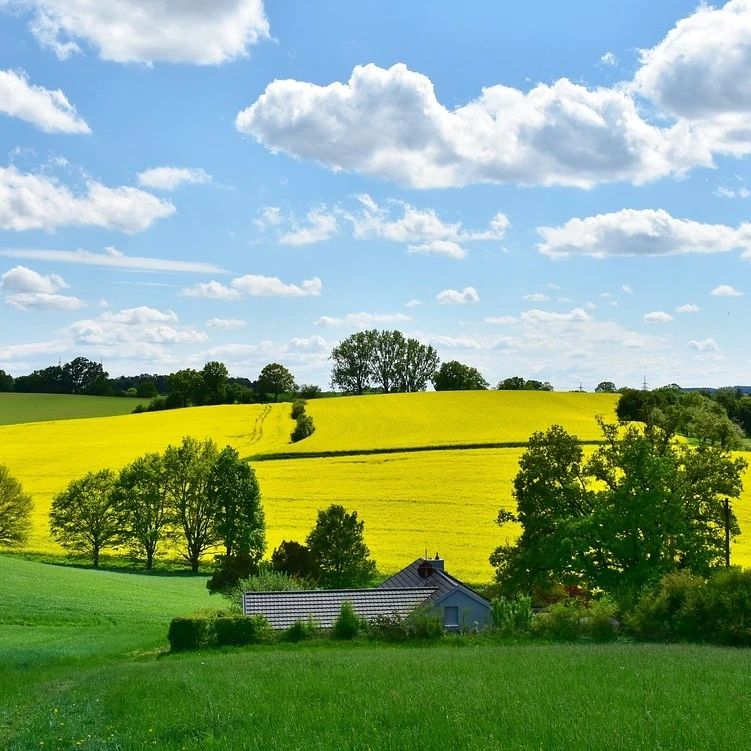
(200, 631)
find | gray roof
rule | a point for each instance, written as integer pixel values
(443, 583)
(282, 609)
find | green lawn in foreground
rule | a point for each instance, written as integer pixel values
(80, 667)
(18, 408)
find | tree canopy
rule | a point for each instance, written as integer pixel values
(517, 383)
(15, 510)
(275, 379)
(455, 376)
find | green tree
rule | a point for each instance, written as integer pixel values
(338, 545)
(84, 516)
(143, 506)
(147, 389)
(275, 379)
(514, 383)
(455, 376)
(15, 510)
(295, 559)
(6, 381)
(185, 387)
(388, 360)
(644, 505)
(352, 371)
(605, 387)
(80, 374)
(215, 378)
(418, 367)
(236, 496)
(188, 471)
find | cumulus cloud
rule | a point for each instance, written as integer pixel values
(362, 320)
(141, 325)
(170, 178)
(48, 109)
(458, 297)
(226, 323)
(688, 308)
(503, 320)
(724, 192)
(644, 232)
(725, 290)
(704, 345)
(447, 248)
(34, 201)
(536, 297)
(389, 123)
(657, 316)
(609, 59)
(413, 303)
(320, 226)
(146, 31)
(26, 289)
(111, 258)
(254, 285)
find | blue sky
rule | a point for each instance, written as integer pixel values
(555, 190)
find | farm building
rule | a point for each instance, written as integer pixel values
(422, 584)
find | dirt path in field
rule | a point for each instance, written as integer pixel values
(257, 433)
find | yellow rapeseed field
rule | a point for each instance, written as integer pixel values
(442, 501)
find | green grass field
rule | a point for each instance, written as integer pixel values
(82, 667)
(21, 408)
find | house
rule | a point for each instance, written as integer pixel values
(424, 583)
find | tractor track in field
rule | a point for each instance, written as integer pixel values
(257, 433)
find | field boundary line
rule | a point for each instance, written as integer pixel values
(278, 456)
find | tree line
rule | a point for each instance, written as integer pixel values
(193, 496)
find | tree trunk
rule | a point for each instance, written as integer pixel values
(95, 556)
(149, 559)
(194, 565)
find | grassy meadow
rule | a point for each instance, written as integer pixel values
(82, 667)
(20, 408)
(444, 501)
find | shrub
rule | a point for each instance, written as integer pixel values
(571, 620)
(298, 408)
(192, 632)
(389, 627)
(512, 616)
(418, 625)
(295, 559)
(231, 570)
(301, 630)
(237, 630)
(348, 624)
(303, 429)
(422, 625)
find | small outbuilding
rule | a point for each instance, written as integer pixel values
(422, 584)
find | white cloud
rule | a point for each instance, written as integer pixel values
(321, 226)
(112, 258)
(536, 297)
(308, 344)
(169, 178)
(48, 109)
(723, 192)
(135, 326)
(362, 320)
(688, 308)
(147, 31)
(33, 201)
(503, 320)
(439, 248)
(537, 317)
(457, 297)
(725, 290)
(225, 323)
(389, 123)
(627, 289)
(609, 59)
(658, 316)
(645, 232)
(704, 345)
(254, 285)
(413, 303)
(25, 289)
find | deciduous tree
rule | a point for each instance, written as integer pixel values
(455, 376)
(15, 510)
(352, 371)
(275, 379)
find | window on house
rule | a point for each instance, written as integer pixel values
(451, 616)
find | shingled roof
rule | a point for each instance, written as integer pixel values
(282, 609)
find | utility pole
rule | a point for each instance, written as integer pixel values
(726, 505)
(644, 384)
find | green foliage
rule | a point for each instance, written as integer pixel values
(298, 408)
(352, 371)
(84, 518)
(572, 619)
(235, 496)
(232, 569)
(605, 387)
(303, 428)
(421, 624)
(147, 389)
(455, 376)
(512, 616)
(6, 381)
(275, 379)
(238, 630)
(15, 510)
(296, 560)
(302, 630)
(348, 624)
(338, 545)
(192, 632)
(185, 387)
(642, 506)
(517, 383)
(213, 388)
(685, 607)
(310, 391)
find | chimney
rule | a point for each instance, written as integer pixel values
(437, 562)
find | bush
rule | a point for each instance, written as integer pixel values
(230, 571)
(303, 429)
(348, 624)
(418, 625)
(512, 616)
(237, 630)
(295, 559)
(298, 408)
(423, 625)
(571, 620)
(684, 607)
(193, 632)
(301, 630)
